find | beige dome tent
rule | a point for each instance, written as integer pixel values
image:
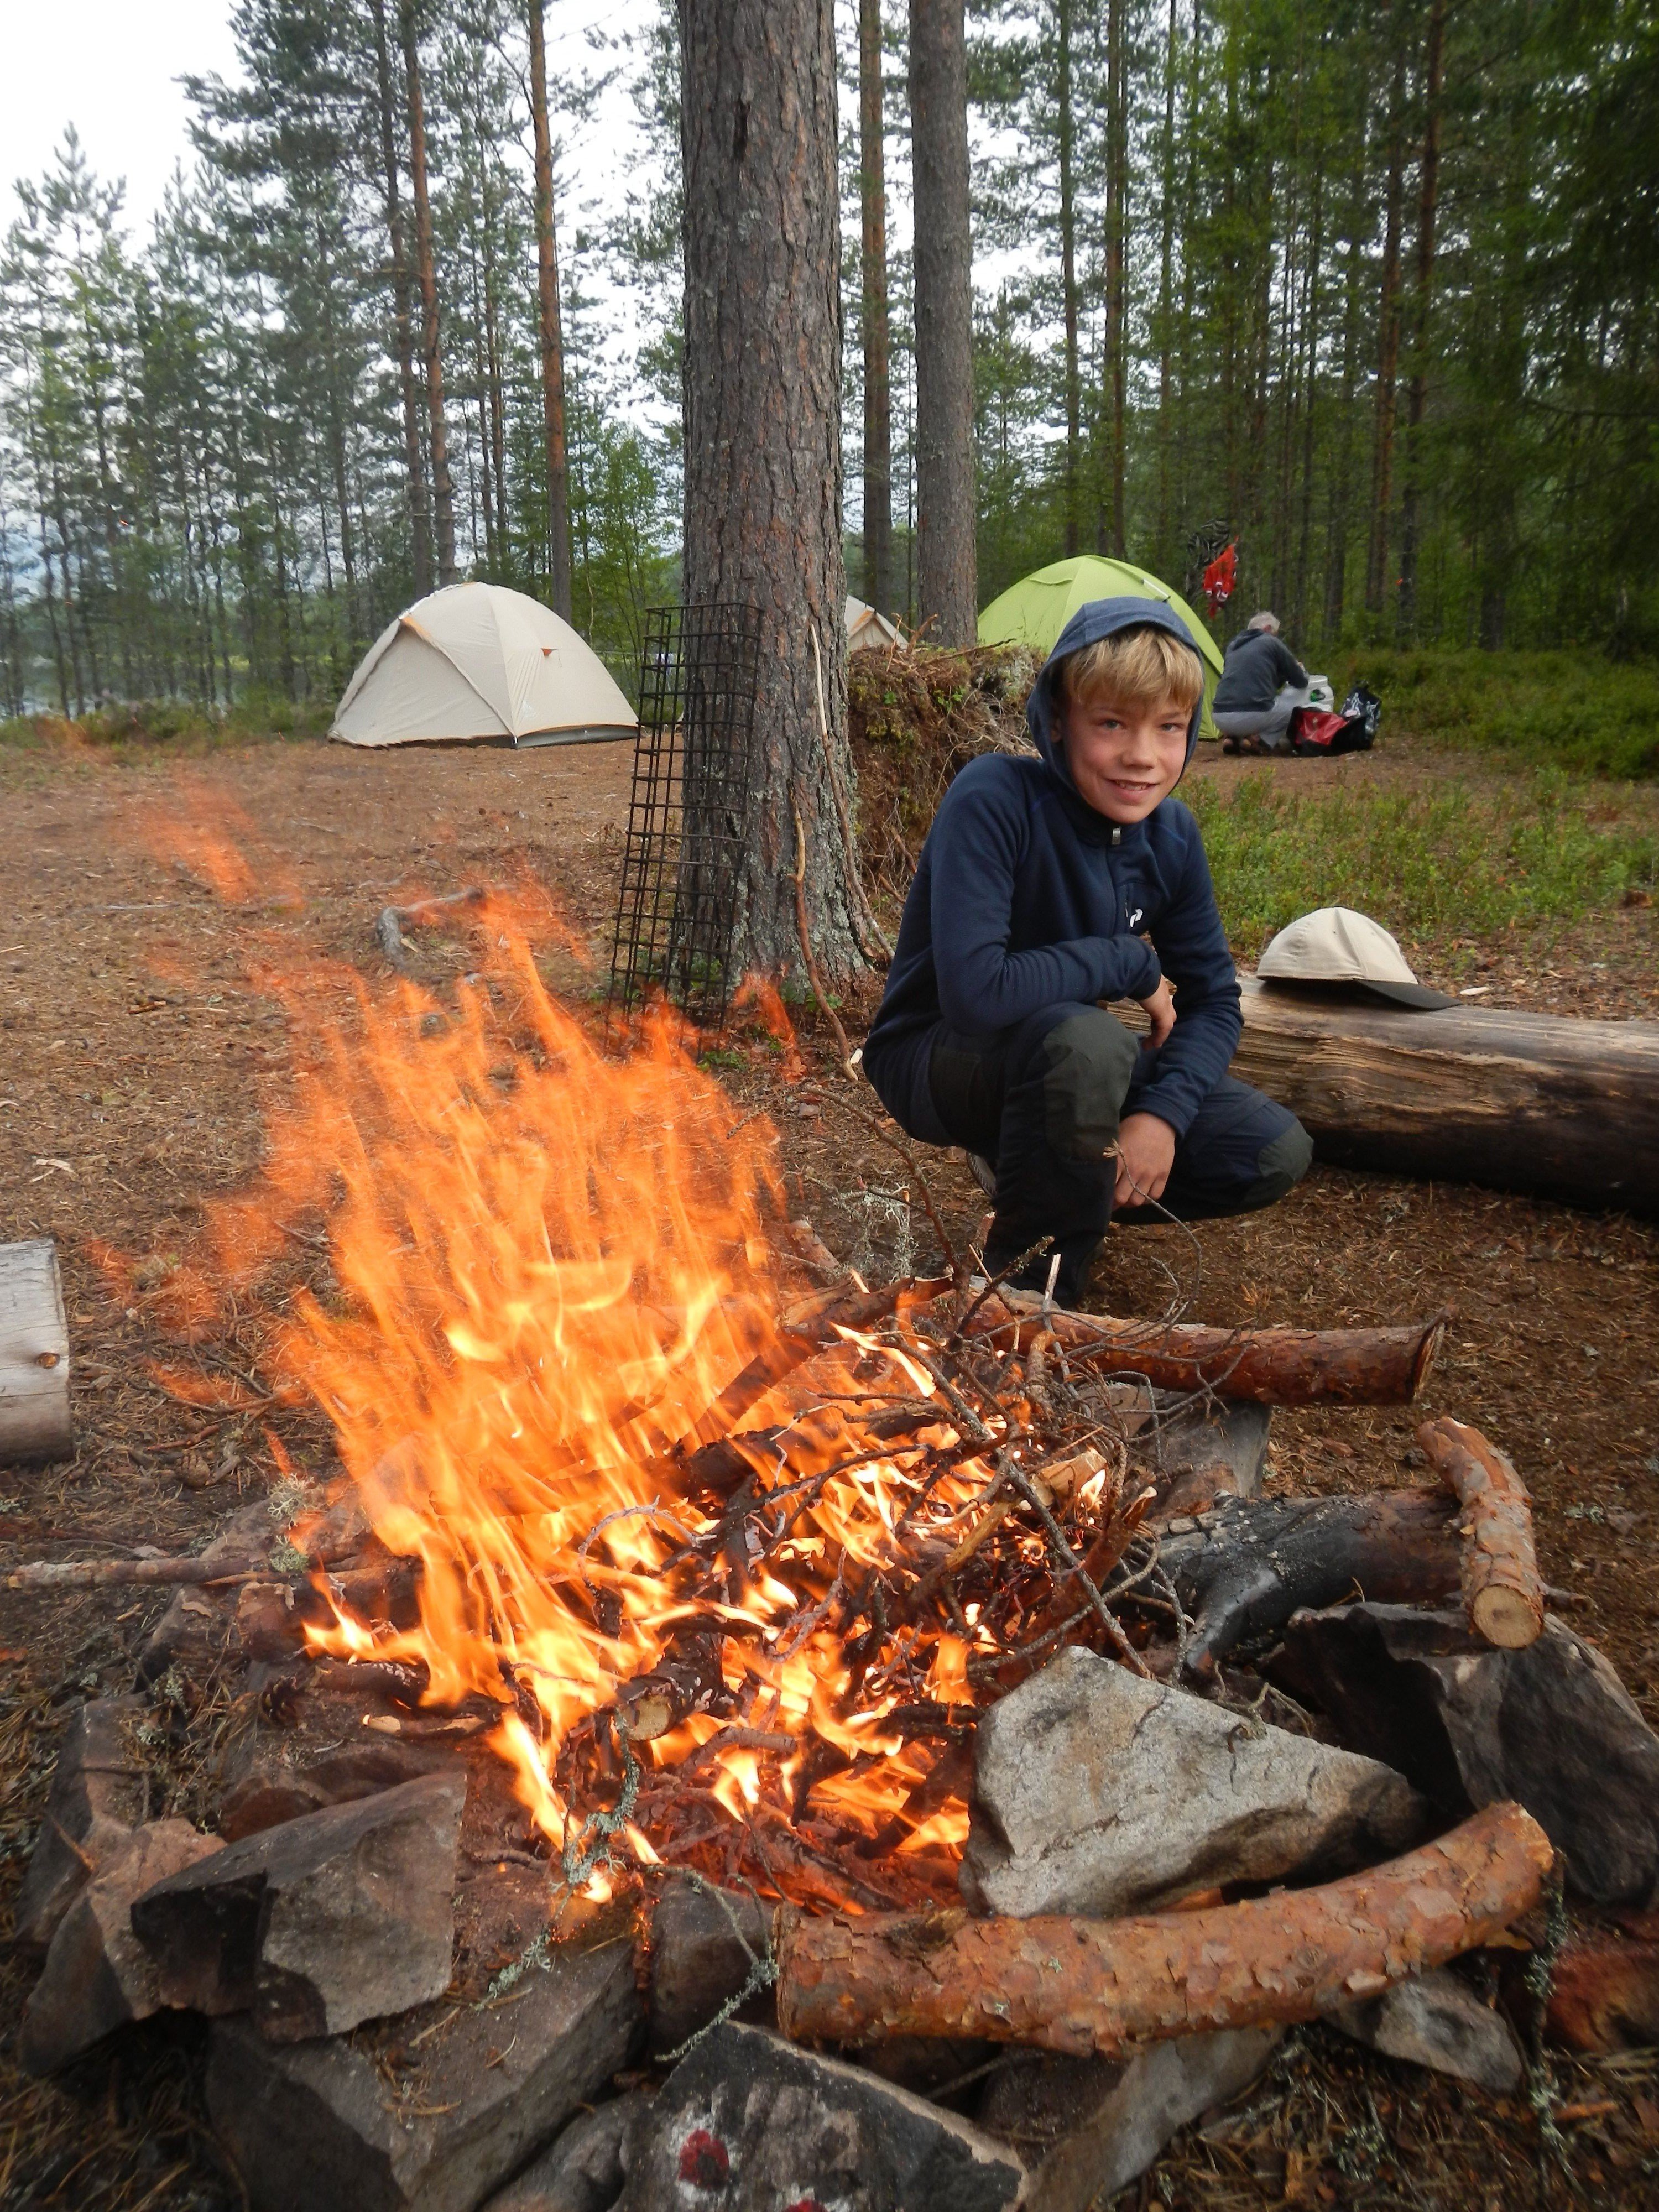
(478, 662)
(869, 632)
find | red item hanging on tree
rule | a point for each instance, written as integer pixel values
(1221, 577)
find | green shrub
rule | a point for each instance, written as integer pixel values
(1422, 861)
(1575, 710)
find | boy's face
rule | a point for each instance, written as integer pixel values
(1124, 759)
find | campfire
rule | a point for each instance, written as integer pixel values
(915, 1646)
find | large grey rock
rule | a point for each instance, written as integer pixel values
(97, 1976)
(748, 2123)
(340, 1917)
(99, 1795)
(1096, 1792)
(314, 2127)
(1153, 2097)
(699, 1960)
(1552, 1728)
(582, 2169)
(1436, 2019)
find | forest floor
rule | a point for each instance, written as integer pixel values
(138, 1051)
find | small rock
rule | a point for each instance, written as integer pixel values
(748, 2123)
(1206, 1451)
(271, 1793)
(698, 1959)
(1436, 2019)
(1552, 1727)
(1096, 1792)
(200, 1624)
(339, 1917)
(314, 2127)
(582, 2171)
(97, 1976)
(1156, 2094)
(98, 1794)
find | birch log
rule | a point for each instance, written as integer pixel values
(1083, 1986)
(34, 1363)
(1502, 1592)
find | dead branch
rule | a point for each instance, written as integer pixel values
(1503, 1592)
(95, 1574)
(1082, 1986)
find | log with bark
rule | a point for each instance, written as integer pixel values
(1270, 1366)
(1243, 1568)
(1517, 1101)
(1084, 1986)
(1503, 1592)
(34, 1355)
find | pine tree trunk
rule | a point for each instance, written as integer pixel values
(1166, 291)
(763, 431)
(1387, 317)
(945, 512)
(420, 517)
(442, 490)
(1068, 271)
(1117, 270)
(878, 389)
(1428, 192)
(552, 336)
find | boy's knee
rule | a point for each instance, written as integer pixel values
(1088, 1060)
(1280, 1165)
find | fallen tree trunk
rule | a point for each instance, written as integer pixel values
(1084, 1986)
(34, 1363)
(1271, 1366)
(1514, 1100)
(1243, 1569)
(1503, 1592)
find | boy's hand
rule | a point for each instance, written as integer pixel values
(1145, 1153)
(1161, 1007)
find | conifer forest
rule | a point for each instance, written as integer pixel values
(1369, 287)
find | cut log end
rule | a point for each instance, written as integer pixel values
(1509, 1620)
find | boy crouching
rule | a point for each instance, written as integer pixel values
(1038, 885)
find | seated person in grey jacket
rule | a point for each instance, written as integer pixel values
(1261, 686)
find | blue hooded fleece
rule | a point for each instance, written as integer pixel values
(1025, 897)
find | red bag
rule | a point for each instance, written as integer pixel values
(1314, 730)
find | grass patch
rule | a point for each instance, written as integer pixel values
(1420, 861)
(1572, 710)
(145, 725)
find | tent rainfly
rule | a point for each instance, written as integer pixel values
(869, 632)
(1035, 611)
(477, 663)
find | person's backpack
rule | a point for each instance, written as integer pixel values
(1316, 733)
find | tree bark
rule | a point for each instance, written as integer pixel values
(1117, 276)
(1097, 1986)
(878, 389)
(442, 490)
(762, 432)
(1502, 1592)
(1428, 194)
(946, 508)
(1517, 1100)
(552, 337)
(35, 1364)
(1068, 271)
(1269, 1366)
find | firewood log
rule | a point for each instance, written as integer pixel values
(1244, 1568)
(1503, 1592)
(1273, 1366)
(92, 1573)
(34, 1361)
(1083, 1986)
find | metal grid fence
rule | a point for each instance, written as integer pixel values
(688, 811)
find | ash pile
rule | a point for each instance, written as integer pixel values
(1122, 1770)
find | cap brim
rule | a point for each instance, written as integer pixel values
(1417, 996)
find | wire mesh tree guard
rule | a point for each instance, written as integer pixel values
(688, 811)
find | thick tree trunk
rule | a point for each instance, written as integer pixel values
(945, 510)
(1427, 199)
(878, 389)
(1087, 1987)
(1517, 1100)
(762, 432)
(552, 338)
(442, 490)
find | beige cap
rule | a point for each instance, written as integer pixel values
(1337, 945)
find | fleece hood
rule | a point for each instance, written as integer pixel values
(1100, 618)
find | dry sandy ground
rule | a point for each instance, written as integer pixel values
(135, 1048)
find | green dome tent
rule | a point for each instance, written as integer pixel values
(1035, 611)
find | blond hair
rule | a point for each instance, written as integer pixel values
(1141, 667)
